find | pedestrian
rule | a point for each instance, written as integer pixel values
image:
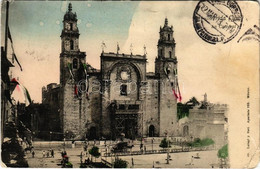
(48, 153)
(52, 153)
(33, 153)
(43, 153)
(73, 144)
(133, 161)
(191, 162)
(85, 148)
(81, 155)
(141, 146)
(144, 148)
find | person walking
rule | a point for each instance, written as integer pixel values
(33, 153)
(52, 153)
(43, 153)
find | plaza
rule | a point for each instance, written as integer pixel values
(206, 159)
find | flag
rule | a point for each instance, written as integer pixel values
(13, 84)
(75, 90)
(85, 70)
(70, 70)
(174, 93)
(179, 92)
(27, 96)
(14, 55)
(15, 58)
(9, 35)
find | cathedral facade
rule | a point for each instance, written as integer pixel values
(119, 99)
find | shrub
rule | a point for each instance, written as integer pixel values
(119, 163)
(223, 152)
(200, 143)
(94, 151)
(165, 143)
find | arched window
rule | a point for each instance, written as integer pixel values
(71, 44)
(71, 26)
(161, 52)
(170, 54)
(75, 63)
(151, 131)
(123, 90)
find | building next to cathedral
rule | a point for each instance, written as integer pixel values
(122, 98)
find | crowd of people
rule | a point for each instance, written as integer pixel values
(48, 153)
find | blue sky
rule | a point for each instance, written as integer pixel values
(38, 20)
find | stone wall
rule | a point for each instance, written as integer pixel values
(151, 116)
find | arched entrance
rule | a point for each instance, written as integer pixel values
(92, 133)
(151, 131)
(186, 130)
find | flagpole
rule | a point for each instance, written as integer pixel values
(6, 26)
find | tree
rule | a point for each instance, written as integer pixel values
(223, 152)
(94, 151)
(165, 143)
(200, 143)
(119, 163)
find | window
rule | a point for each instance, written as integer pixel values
(71, 26)
(161, 52)
(71, 44)
(121, 107)
(170, 54)
(169, 36)
(75, 63)
(123, 90)
(133, 107)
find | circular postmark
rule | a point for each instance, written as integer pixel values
(217, 21)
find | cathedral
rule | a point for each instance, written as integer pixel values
(119, 99)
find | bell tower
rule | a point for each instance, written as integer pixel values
(166, 71)
(74, 104)
(71, 58)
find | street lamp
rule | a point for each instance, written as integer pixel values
(152, 143)
(50, 139)
(167, 149)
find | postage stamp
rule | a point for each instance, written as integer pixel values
(217, 21)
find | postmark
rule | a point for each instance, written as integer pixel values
(217, 21)
(251, 34)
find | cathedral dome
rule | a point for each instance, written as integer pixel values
(70, 16)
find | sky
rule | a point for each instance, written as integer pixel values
(36, 27)
(224, 71)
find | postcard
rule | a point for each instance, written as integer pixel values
(130, 84)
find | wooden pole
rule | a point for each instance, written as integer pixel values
(6, 27)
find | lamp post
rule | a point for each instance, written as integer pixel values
(167, 149)
(64, 142)
(50, 139)
(152, 143)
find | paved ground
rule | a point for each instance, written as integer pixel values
(180, 160)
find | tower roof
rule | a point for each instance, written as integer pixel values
(70, 16)
(166, 27)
